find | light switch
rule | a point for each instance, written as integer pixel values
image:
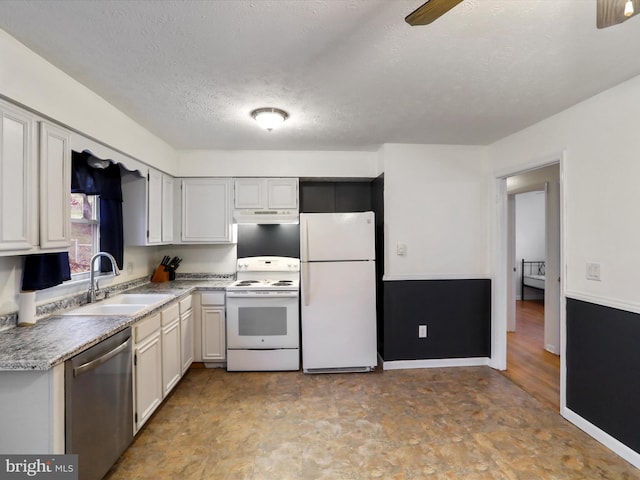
(401, 249)
(593, 271)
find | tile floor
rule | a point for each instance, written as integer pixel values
(462, 423)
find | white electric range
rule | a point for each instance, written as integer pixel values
(263, 325)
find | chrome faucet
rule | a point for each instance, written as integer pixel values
(93, 283)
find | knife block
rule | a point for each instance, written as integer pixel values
(160, 275)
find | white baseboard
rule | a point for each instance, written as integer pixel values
(603, 437)
(435, 363)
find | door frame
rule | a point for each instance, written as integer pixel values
(503, 267)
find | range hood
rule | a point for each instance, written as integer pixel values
(265, 216)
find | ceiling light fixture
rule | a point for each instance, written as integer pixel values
(269, 118)
(628, 8)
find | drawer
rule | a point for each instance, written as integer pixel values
(214, 298)
(170, 314)
(146, 327)
(185, 304)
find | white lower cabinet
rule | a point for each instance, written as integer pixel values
(163, 351)
(171, 358)
(186, 332)
(209, 327)
(213, 334)
(147, 362)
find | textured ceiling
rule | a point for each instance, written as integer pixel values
(351, 73)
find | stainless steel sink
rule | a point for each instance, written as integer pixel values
(108, 309)
(138, 298)
(125, 304)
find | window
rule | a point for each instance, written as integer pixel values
(85, 232)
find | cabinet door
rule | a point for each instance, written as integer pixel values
(249, 193)
(18, 180)
(171, 359)
(206, 210)
(167, 208)
(148, 371)
(154, 207)
(55, 186)
(213, 334)
(282, 193)
(186, 337)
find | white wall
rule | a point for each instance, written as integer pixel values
(600, 181)
(437, 204)
(255, 163)
(33, 82)
(530, 231)
(203, 258)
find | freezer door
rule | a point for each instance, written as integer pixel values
(337, 236)
(339, 315)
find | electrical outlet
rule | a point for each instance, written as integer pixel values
(129, 268)
(422, 331)
(593, 271)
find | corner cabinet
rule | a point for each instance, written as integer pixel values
(148, 208)
(18, 181)
(210, 328)
(55, 187)
(206, 210)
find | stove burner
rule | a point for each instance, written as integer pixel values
(283, 283)
(246, 283)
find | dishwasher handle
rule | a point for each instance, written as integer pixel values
(85, 367)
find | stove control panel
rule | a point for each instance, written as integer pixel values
(268, 264)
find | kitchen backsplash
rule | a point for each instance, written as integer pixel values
(275, 240)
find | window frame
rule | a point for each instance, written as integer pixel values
(95, 223)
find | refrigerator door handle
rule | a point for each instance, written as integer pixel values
(306, 283)
(304, 244)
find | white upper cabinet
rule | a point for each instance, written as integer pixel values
(154, 207)
(249, 193)
(18, 181)
(282, 193)
(55, 187)
(206, 210)
(26, 224)
(167, 208)
(147, 209)
(265, 193)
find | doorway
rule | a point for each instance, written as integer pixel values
(530, 361)
(527, 334)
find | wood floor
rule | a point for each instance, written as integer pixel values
(529, 365)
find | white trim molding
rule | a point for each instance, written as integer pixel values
(444, 276)
(605, 302)
(435, 363)
(603, 437)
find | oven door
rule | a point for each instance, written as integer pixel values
(262, 320)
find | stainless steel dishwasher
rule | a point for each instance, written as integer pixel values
(99, 405)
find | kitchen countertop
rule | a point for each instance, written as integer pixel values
(54, 339)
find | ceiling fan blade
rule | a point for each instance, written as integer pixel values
(430, 11)
(611, 12)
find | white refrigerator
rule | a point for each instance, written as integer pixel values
(338, 292)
